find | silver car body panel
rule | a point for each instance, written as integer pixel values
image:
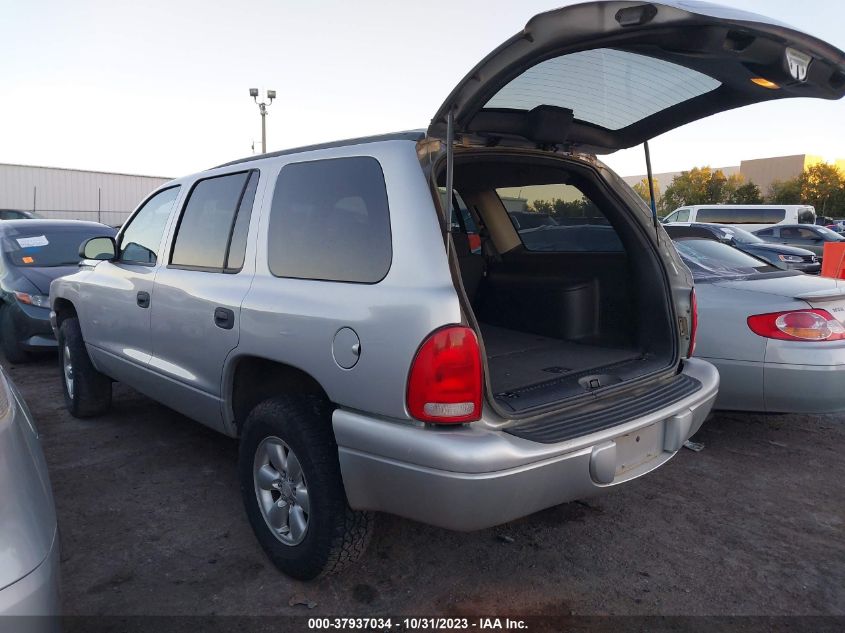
(29, 561)
(771, 375)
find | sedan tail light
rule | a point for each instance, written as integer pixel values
(798, 325)
(444, 384)
(693, 328)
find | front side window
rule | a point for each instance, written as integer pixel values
(140, 240)
(672, 217)
(330, 221)
(683, 215)
(209, 221)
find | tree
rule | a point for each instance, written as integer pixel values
(823, 186)
(703, 185)
(642, 190)
(562, 209)
(785, 192)
(820, 185)
(749, 193)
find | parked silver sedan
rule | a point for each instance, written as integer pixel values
(29, 542)
(777, 337)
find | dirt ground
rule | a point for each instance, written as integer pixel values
(152, 523)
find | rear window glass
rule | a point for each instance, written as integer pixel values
(741, 216)
(608, 88)
(709, 259)
(330, 221)
(559, 219)
(47, 248)
(806, 216)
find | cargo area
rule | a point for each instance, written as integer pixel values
(567, 292)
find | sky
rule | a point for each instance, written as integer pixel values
(162, 87)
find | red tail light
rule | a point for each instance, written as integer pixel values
(798, 325)
(444, 384)
(693, 326)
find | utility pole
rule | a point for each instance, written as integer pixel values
(262, 108)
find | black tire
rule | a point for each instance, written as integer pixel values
(336, 535)
(12, 349)
(91, 394)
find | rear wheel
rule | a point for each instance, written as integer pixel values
(87, 392)
(9, 340)
(293, 492)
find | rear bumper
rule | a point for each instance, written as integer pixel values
(794, 377)
(476, 477)
(804, 388)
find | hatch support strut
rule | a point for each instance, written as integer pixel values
(650, 189)
(450, 165)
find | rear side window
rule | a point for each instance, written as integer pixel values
(141, 238)
(741, 216)
(212, 230)
(559, 218)
(330, 221)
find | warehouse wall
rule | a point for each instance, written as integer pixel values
(74, 194)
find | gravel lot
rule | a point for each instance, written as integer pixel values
(152, 523)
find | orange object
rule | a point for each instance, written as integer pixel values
(833, 261)
(27, 260)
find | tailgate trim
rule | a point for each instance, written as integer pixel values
(569, 427)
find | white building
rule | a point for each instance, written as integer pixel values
(73, 194)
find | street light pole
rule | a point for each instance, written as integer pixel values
(262, 108)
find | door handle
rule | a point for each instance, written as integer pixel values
(143, 299)
(224, 318)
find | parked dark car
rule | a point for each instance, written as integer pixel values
(32, 254)
(780, 255)
(808, 236)
(17, 214)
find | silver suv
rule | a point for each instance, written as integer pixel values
(379, 335)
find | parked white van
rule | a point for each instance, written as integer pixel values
(747, 216)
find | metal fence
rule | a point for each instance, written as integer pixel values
(112, 218)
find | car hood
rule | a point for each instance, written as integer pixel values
(602, 76)
(40, 277)
(777, 248)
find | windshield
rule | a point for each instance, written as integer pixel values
(708, 259)
(829, 235)
(50, 247)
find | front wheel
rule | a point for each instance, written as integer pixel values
(293, 492)
(87, 392)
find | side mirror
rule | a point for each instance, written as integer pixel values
(101, 248)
